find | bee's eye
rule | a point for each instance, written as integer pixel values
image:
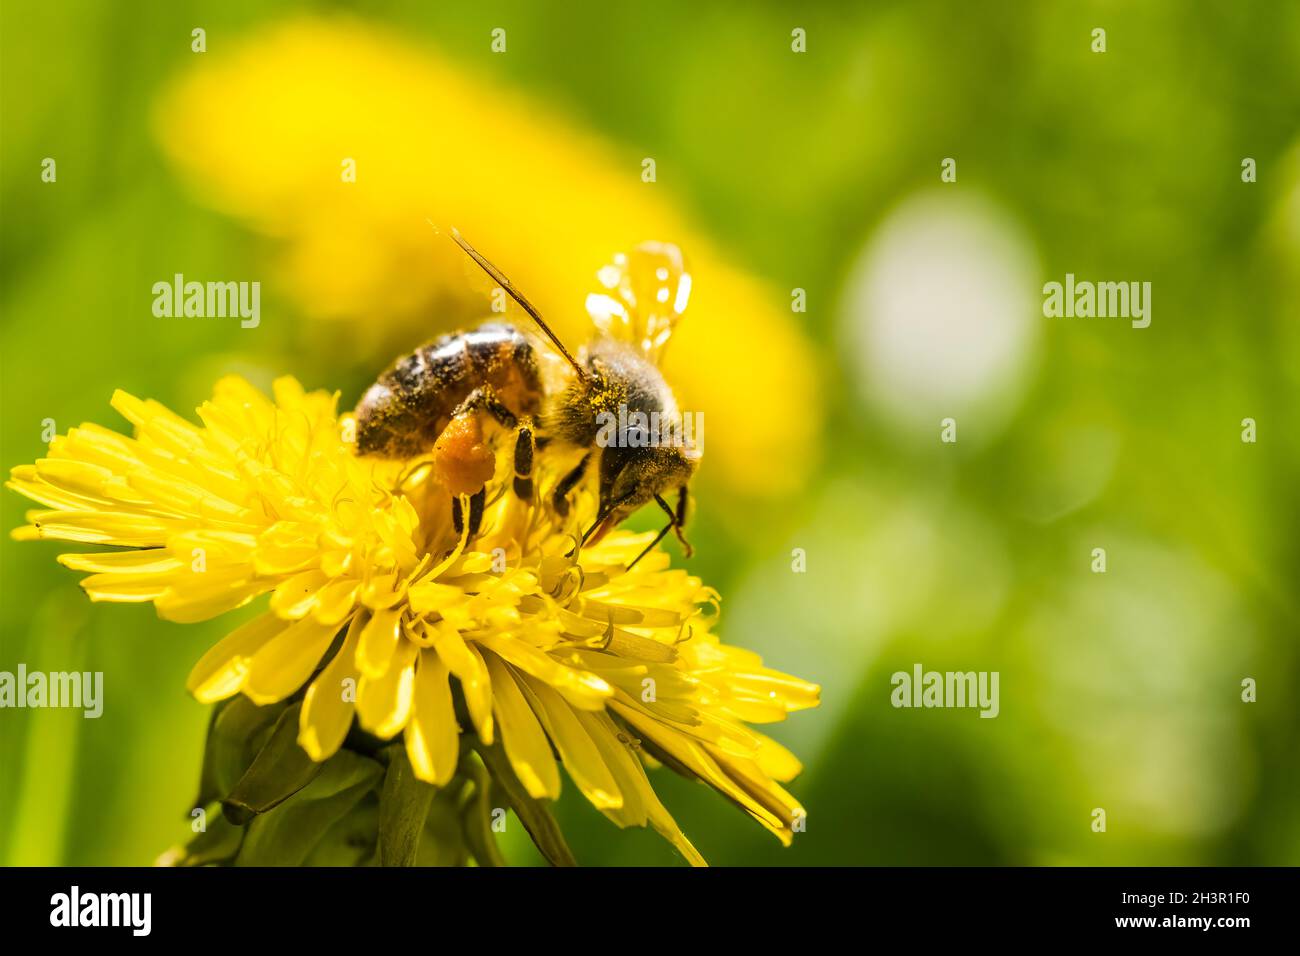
(635, 437)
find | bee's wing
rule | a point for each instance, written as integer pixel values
(642, 296)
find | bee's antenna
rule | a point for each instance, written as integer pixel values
(515, 294)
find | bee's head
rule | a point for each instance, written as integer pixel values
(632, 474)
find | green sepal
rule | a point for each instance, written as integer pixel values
(236, 732)
(280, 769)
(476, 818)
(533, 813)
(403, 809)
(296, 831)
(218, 844)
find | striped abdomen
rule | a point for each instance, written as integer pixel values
(403, 413)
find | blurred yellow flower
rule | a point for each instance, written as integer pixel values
(275, 130)
(372, 589)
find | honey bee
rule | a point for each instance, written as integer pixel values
(434, 399)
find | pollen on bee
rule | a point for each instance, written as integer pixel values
(463, 460)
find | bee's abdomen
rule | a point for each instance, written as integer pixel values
(405, 411)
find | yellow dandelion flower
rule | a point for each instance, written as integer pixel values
(339, 139)
(539, 652)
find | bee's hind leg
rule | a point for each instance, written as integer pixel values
(463, 461)
(476, 502)
(484, 398)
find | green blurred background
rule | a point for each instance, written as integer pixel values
(818, 171)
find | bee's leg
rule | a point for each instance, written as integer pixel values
(462, 461)
(484, 399)
(560, 497)
(476, 502)
(650, 547)
(679, 520)
(670, 526)
(523, 483)
(676, 518)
